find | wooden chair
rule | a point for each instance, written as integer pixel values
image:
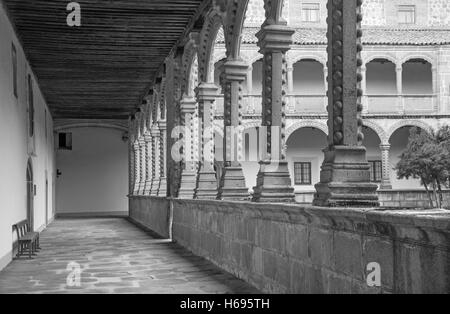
(27, 239)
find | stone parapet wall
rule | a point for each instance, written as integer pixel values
(151, 213)
(294, 249)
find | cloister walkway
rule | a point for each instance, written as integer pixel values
(115, 257)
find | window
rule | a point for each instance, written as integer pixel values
(406, 14)
(14, 68)
(311, 12)
(302, 173)
(30, 106)
(65, 141)
(375, 170)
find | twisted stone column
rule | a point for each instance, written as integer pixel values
(137, 170)
(188, 174)
(143, 153)
(156, 137)
(232, 183)
(131, 169)
(148, 164)
(274, 182)
(345, 175)
(206, 178)
(162, 159)
(386, 167)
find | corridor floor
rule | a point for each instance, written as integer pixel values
(114, 257)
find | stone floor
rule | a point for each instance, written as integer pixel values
(115, 257)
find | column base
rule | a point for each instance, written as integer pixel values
(206, 186)
(232, 185)
(188, 185)
(345, 180)
(274, 184)
(162, 191)
(155, 187)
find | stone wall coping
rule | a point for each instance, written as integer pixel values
(349, 218)
(429, 219)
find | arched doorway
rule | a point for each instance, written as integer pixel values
(30, 194)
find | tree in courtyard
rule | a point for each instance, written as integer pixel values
(427, 157)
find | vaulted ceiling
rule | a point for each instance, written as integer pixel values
(102, 69)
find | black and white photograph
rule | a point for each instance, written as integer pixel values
(224, 152)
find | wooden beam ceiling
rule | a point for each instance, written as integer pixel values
(102, 69)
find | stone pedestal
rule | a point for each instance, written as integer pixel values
(274, 182)
(232, 183)
(345, 175)
(206, 178)
(345, 179)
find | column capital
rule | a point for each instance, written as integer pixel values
(275, 37)
(385, 146)
(207, 91)
(187, 105)
(235, 70)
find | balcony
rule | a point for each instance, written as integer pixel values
(317, 104)
(404, 104)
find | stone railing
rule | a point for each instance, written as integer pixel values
(389, 198)
(404, 104)
(317, 104)
(302, 249)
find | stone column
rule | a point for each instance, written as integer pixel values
(148, 164)
(143, 153)
(325, 79)
(206, 178)
(436, 89)
(137, 170)
(232, 183)
(399, 74)
(386, 167)
(156, 150)
(188, 173)
(274, 182)
(345, 175)
(290, 80)
(162, 159)
(250, 99)
(131, 169)
(365, 101)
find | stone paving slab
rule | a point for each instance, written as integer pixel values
(115, 257)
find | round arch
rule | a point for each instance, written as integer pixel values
(371, 58)
(306, 124)
(208, 35)
(300, 57)
(417, 56)
(409, 123)
(377, 129)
